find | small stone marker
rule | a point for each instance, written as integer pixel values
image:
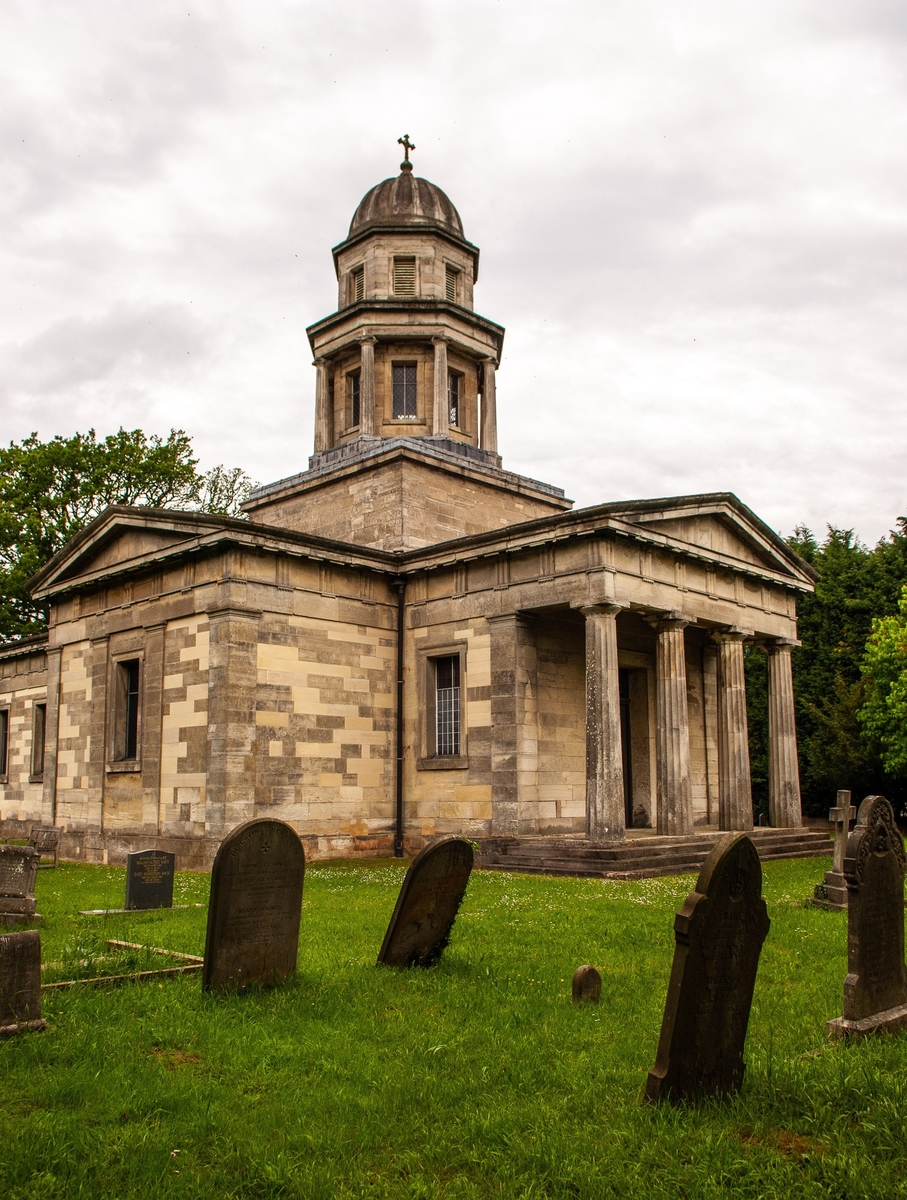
(718, 933)
(875, 990)
(18, 870)
(20, 982)
(149, 879)
(427, 905)
(255, 906)
(587, 985)
(832, 892)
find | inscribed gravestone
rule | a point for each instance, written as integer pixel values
(20, 982)
(254, 906)
(18, 870)
(832, 892)
(587, 985)
(875, 990)
(427, 905)
(149, 879)
(718, 933)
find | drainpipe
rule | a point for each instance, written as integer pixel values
(400, 585)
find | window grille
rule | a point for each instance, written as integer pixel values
(357, 284)
(453, 397)
(4, 740)
(405, 276)
(37, 749)
(447, 705)
(450, 284)
(126, 714)
(353, 395)
(404, 389)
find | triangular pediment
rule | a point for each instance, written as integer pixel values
(121, 537)
(722, 526)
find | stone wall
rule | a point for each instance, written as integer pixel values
(23, 684)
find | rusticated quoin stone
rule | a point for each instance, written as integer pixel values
(255, 906)
(875, 990)
(427, 905)
(718, 933)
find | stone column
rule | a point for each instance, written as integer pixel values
(605, 808)
(51, 737)
(488, 439)
(783, 769)
(367, 385)
(735, 793)
(674, 791)
(323, 414)
(512, 680)
(232, 686)
(441, 422)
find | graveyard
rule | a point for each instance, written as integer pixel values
(478, 1076)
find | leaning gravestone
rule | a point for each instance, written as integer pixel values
(18, 871)
(254, 907)
(718, 933)
(427, 905)
(832, 891)
(20, 982)
(149, 879)
(875, 990)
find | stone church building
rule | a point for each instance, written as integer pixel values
(404, 640)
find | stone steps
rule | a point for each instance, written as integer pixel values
(637, 858)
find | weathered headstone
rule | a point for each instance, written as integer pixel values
(18, 870)
(587, 985)
(875, 990)
(832, 891)
(149, 879)
(20, 982)
(254, 907)
(427, 905)
(718, 933)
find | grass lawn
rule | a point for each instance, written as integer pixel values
(477, 1078)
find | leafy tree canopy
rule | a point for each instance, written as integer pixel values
(884, 714)
(50, 490)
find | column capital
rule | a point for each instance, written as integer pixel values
(368, 339)
(673, 619)
(733, 634)
(780, 645)
(440, 339)
(320, 361)
(490, 361)
(606, 608)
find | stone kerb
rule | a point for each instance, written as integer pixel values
(875, 990)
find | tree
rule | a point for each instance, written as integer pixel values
(51, 490)
(884, 713)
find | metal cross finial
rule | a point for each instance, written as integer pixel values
(407, 146)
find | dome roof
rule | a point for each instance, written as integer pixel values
(406, 200)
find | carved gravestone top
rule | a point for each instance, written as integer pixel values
(875, 990)
(427, 905)
(254, 907)
(20, 982)
(718, 934)
(18, 871)
(149, 879)
(587, 985)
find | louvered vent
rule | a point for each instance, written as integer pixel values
(450, 284)
(357, 284)
(404, 276)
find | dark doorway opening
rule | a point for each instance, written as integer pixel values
(623, 684)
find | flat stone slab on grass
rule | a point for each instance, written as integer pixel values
(875, 990)
(20, 982)
(427, 905)
(718, 935)
(255, 907)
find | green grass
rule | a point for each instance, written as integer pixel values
(477, 1078)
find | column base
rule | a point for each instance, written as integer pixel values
(891, 1021)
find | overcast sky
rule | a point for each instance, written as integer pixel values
(692, 217)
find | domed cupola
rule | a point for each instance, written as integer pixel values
(406, 201)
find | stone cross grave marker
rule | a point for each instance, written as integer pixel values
(587, 985)
(18, 871)
(875, 990)
(254, 907)
(20, 982)
(427, 905)
(149, 879)
(832, 891)
(718, 934)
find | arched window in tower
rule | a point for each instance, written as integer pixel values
(404, 391)
(353, 397)
(405, 275)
